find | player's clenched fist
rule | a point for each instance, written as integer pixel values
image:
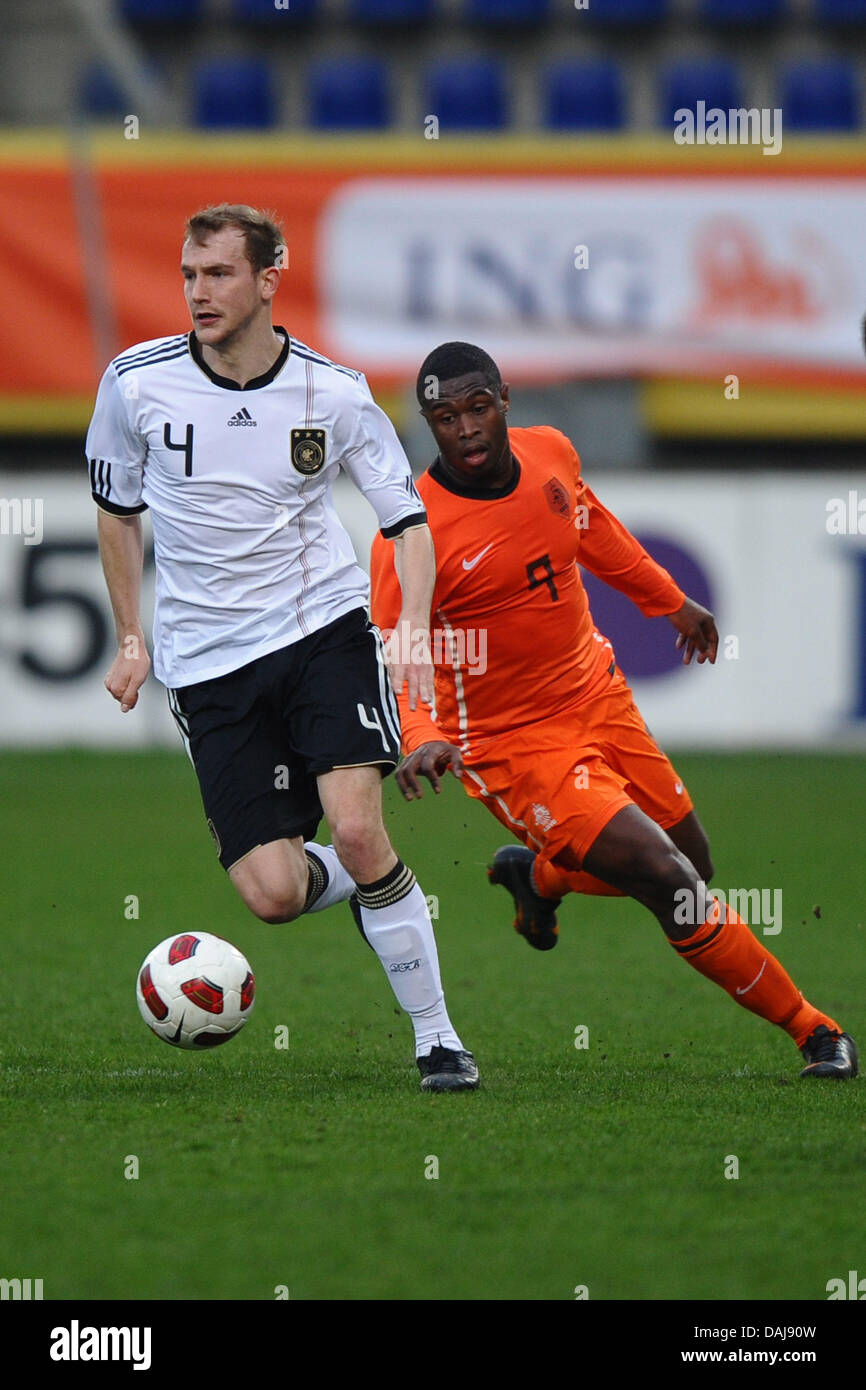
(128, 672)
(431, 760)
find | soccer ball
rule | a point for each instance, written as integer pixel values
(195, 990)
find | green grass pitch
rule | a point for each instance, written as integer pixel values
(305, 1168)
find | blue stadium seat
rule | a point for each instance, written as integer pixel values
(686, 82)
(391, 11)
(98, 92)
(742, 11)
(840, 11)
(467, 93)
(266, 12)
(160, 11)
(234, 94)
(625, 11)
(584, 96)
(506, 11)
(820, 95)
(348, 94)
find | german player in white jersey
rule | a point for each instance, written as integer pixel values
(276, 678)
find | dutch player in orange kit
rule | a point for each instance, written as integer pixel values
(533, 714)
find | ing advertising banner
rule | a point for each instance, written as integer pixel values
(563, 258)
(588, 276)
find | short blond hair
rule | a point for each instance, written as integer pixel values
(263, 235)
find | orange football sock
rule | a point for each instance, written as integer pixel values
(555, 883)
(726, 951)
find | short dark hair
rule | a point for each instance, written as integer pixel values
(449, 361)
(263, 235)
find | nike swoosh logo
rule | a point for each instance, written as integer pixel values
(470, 564)
(678, 788)
(754, 982)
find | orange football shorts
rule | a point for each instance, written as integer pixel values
(558, 782)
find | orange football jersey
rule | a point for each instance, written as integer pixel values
(513, 638)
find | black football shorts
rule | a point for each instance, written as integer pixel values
(259, 736)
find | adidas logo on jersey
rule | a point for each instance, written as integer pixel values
(243, 417)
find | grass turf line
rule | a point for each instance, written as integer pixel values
(261, 1167)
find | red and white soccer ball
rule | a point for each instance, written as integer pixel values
(195, 990)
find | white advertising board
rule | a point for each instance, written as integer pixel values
(780, 558)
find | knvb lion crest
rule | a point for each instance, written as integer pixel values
(557, 497)
(308, 451)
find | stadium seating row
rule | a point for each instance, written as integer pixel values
(493, 11)
(473, 94)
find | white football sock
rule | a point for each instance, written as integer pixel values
(397, 925)
(329, 882)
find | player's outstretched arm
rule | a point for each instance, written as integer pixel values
(121, 550)
(410, 662)
(431, 760)
(697, 632)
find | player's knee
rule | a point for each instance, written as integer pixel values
(669, 871)
(358, 843)
(275, 903)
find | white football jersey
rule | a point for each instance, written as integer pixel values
(250, 554)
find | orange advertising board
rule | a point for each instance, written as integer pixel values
(695, 262)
